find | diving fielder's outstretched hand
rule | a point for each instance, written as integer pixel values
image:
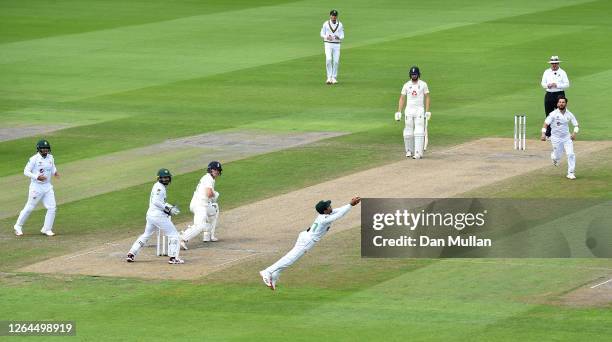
(355, 200)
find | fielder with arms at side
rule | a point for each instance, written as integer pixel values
(307, 239)
(560, 138)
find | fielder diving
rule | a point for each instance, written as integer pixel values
(307, 239)
(560, 138)
(40, 168)
(415, 96)
(158, 217)
(204, 207)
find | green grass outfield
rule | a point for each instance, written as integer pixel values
(129, 74)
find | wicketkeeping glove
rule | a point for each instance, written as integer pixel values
(171, 210)
(398, 116)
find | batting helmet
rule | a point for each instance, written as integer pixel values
(164, 176)
(415, 71)
(43, 144)
(333, 12)
(214, 165)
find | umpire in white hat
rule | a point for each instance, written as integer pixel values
(554, 81)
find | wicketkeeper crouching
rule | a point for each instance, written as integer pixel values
(158, 217)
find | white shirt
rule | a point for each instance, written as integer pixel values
(39, 165)
(200, 195)
(558, 123)
(559, 77)
(415, 93)
(323, 222)
(157, 201)
(332, 29)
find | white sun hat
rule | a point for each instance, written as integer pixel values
(554, 60)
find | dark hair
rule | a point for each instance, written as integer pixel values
(562, 97)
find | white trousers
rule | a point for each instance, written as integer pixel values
(568, 145)
(332, 59)
(303, 244)
(204, 220)
(153, 224)
(414, 130)
(35, 195)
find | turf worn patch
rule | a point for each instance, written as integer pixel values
(93, 176)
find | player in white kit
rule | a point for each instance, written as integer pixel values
(558, 120)
(40, 168)
(204, 207)
(307, 239)
(332, 33)
(415, 96)
(158, 217)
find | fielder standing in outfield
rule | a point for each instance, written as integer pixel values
(204, 207)
(554, 81)
(332, 33)
(40, 168)
(307, 239)
(158, 217)
(415, 96)
(560, 137)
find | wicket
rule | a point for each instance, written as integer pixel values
(162, 243)
(520, 131)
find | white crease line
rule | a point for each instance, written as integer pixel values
(93, 251)
(493, 262)
(231, 261)
(605, 282)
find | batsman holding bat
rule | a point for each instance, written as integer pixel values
(204, 207)
(158, 217)
(415, 96)
(307, 239)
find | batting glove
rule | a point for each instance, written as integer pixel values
(427, 115)
(398, 116)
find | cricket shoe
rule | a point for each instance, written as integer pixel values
(183, 245)
(416, 156)
(334, 81)
(18, 231)
(328, 81)
(130, 257)
(571, 176)
(266, 279)
(47, 232)
(206, 237)
(408, 154)
(176, 261)
(213, 238)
